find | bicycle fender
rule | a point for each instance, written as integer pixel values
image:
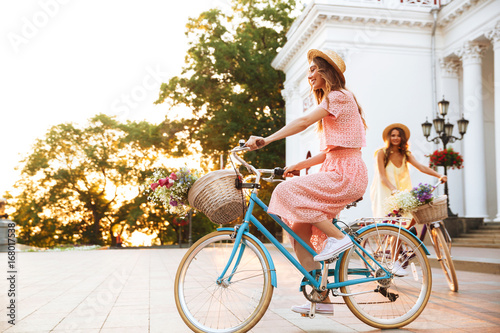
(371, 226)
(274, 280)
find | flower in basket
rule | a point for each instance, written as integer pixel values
(172, 190)
(447, 158)
(423, 193)
(402, 203)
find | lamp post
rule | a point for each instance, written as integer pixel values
(444, 134)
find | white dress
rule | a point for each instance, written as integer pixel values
(399, 177)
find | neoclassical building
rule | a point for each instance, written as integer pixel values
(402, 57)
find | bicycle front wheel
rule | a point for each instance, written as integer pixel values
(397, 300)
(235, 302)
(444, 257)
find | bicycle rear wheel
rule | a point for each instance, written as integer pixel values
(238, 301)
(398, 300)
(444, 257)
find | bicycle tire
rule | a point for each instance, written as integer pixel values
(405, 296)
(233, 305)
(444, 257)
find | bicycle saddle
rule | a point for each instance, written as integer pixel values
(354, 203)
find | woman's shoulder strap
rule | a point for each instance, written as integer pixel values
(380, 149)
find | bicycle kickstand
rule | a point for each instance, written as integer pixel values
(312, 311)
(322, 287)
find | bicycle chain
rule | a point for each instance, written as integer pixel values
(314, 296)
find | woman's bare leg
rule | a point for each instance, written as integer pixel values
(329, 229)
(304, 231)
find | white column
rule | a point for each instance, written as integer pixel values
(293, 110)
(494, 36)
(450, 71)
(474, 154)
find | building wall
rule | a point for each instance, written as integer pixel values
(387, 50)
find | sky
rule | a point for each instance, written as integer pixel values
(66, 61)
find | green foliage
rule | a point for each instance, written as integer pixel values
(228, 81)
(229, 84)
(81, 185)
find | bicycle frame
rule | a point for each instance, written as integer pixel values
(430, 226)
(243, 229)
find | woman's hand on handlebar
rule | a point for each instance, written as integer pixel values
(291, 171)
(443, 179)
(255, 142)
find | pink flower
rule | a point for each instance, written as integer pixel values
(173, 202)
(173, 176)
(169, 183)
(163, 182)
(154, 186)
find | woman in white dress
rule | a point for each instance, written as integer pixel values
(391, 168)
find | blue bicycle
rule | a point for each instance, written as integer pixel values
(225, 281)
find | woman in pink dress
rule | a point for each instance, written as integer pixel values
(309, 203)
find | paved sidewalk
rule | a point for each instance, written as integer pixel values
(132, 291)
(472, 259)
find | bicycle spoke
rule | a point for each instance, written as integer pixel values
(231, 303)
(399, 299)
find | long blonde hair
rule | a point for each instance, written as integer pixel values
(333, 82)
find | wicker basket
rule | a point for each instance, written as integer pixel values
(436, 210)
(216, 196)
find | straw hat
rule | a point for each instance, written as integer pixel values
(332, 57)
(393, 126)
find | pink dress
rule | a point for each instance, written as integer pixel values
(343, 176)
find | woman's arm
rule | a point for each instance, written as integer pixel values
(316, 159)
(425, 169)
(383, 174)
(293, 127)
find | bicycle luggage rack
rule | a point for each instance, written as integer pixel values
(390, 220)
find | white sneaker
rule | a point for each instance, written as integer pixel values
(399, 270)
(333, 246)
(321, 308)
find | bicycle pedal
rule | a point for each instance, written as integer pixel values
(332, 259)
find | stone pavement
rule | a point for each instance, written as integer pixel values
(131, 290)
(483, 260)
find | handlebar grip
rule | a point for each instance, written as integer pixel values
(260, 143)
(281, 171)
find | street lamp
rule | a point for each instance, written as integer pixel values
(444, 132)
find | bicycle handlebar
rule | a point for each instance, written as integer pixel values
(435, 186)
(258, 172)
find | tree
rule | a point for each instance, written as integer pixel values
(228, 81)
(229, 85)
(79, 183)
(153, 218)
